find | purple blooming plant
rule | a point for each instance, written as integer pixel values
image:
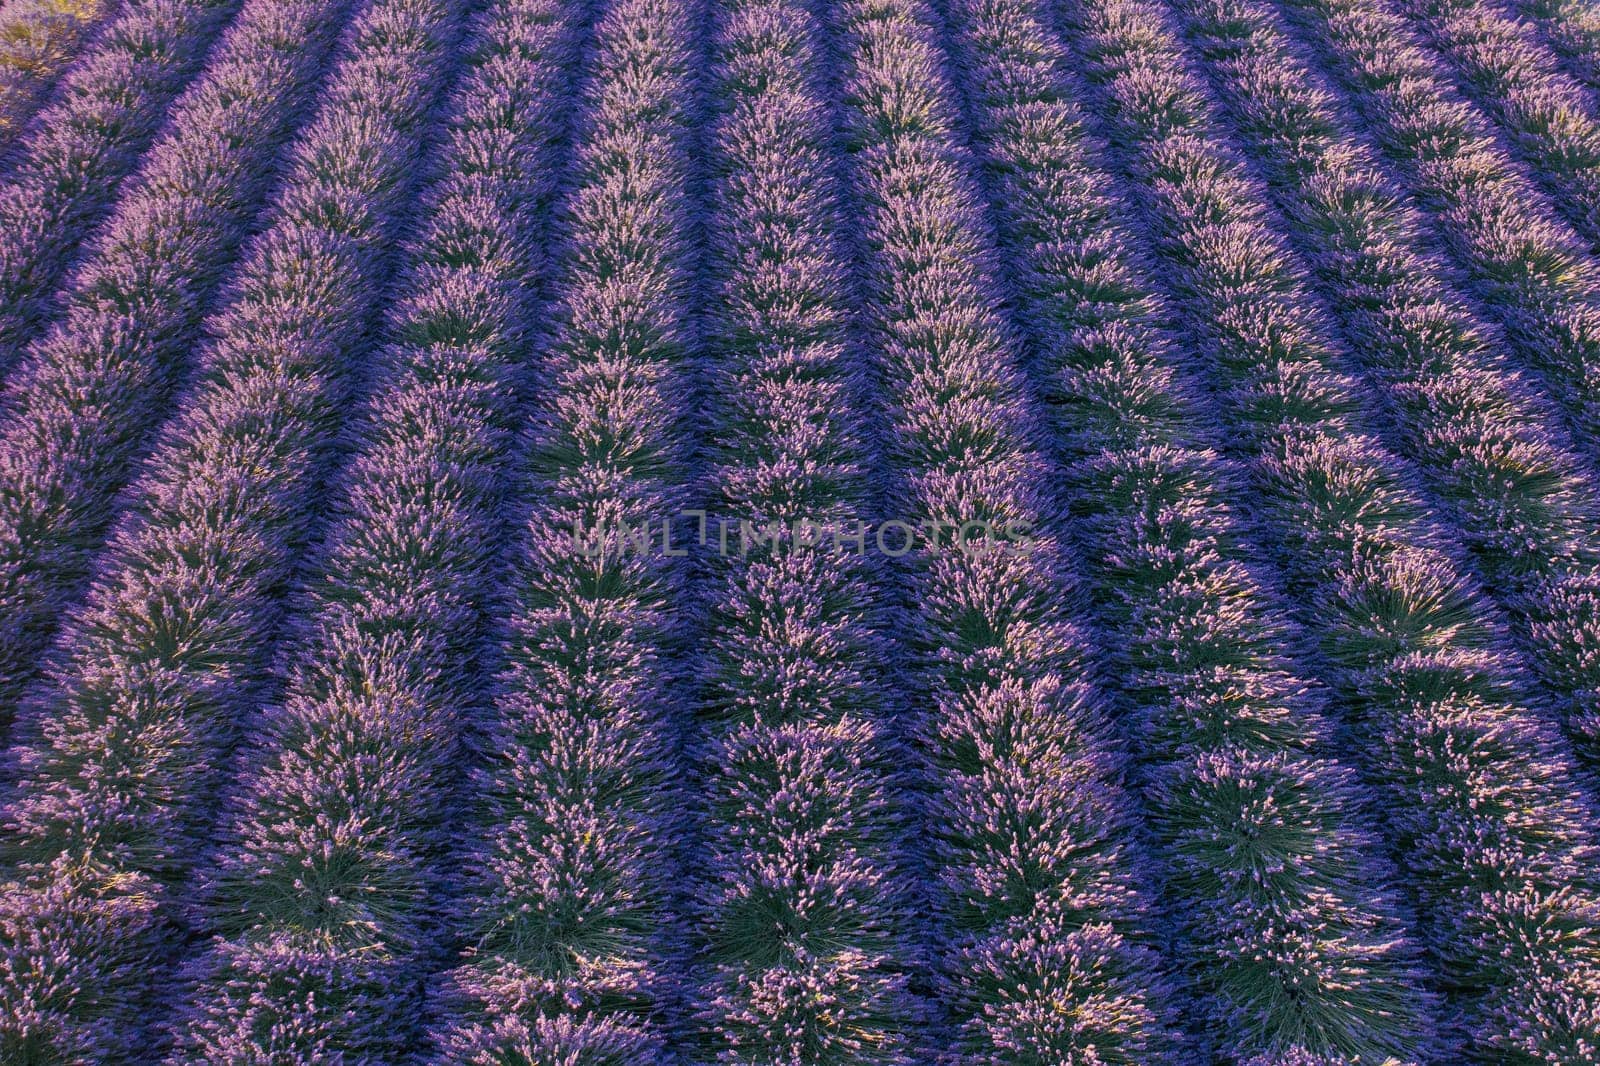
(1043, 929)
(38, 39)
(804, 910)
(1548, 117)
(125, 748)
(1482, 802)
(487, 509)
(1572, 29)
(82, 408)
(570, 909)
(66, 173)
(1524, 501)
(326, 890)
(1527, 266)
(1288, 930)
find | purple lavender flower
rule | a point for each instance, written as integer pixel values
(68, 171)
(1546, 115)
(127, 745)
(321, 892)
(484, 505)
(568, 915)
(1482, 801)
(1026, 822)
(83, 406)
(1265, 854)
(1572, 29)
(803, 911)
(1514, 487)
(1526, 265)
(38, 39)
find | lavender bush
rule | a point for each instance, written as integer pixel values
(1288, 930)
(1041, 919)
(85, 144)
(1493, 454)
(379, 682)
(38, 38)
(804, 907)
(1483, 803)
(1523, 500)
(66, 174)
(1572, 29)
(1527, 266)
(79, 411)
(124, 751)
(1544, 113)
(570, 912)
(800, 533)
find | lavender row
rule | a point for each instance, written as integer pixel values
(572, 910)
(65, 174)
(1481, 800)
(324, 889)
(1528, 268)
(1572, 29)
(1547, 116)
(1036, 895)
(804, 909)
(38, 39)
(1288, 927)
(124, 754)
(80, 411)
(1530, 525)
(1512, 486)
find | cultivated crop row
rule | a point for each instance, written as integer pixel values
(1483, 805)
(1530, 269)
(123, 755)
(1521, 496)
(81, 408)
(803, 910)
(38, 38)
(1572, 29)
(487, 494)
(1505, 70)
(1287, 927)
(1036, 896)
(571, 902)
(323, 890)
(65, 175)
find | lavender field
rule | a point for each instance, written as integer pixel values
(799, 532)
